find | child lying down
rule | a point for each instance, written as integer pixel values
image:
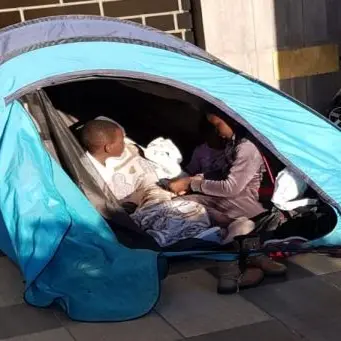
(133, 179)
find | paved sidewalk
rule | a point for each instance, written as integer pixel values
(306, 305)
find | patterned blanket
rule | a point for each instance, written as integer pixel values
(169, 221)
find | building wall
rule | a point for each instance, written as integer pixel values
(311, 31)
(290, 44)
(173, 16)
(242, 34)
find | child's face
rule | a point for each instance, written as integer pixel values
(224, 130)
(116, 148)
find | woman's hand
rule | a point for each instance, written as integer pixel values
(180, 186)
(198, 177)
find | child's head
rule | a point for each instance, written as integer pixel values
(210, 136)
(225, 129)
(102, 139)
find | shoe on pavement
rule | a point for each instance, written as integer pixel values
(268, 265)
(231, 279)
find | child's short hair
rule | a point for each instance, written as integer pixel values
(97, 133)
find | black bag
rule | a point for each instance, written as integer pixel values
(309, 222)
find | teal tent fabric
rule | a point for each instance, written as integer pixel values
(292, 129)
(66, 252)
(63, 247)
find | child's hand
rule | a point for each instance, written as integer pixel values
(198, 177)
(180, 186)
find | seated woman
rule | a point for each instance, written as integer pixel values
(133, 179)
(229, 179)
(229, 191)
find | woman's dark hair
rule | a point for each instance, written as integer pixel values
(239, 131)
(205, 127)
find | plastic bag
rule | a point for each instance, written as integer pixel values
(289, 190)
(166, 156)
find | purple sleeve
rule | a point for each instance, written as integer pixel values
(246, 165)
(194, 167)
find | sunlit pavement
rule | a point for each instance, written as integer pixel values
(304, 305)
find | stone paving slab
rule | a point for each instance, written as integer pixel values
(191, 305)
(306, 304)
(333, 279)
(310, 307)
(11, 284)
(149, 328)
(318, 264)
(22, 319)
(59, 334)
(269, 330)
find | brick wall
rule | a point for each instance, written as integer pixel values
(172, 16)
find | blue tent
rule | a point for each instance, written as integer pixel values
(66, 251)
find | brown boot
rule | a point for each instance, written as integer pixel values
(231, 279)
(269, 266)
